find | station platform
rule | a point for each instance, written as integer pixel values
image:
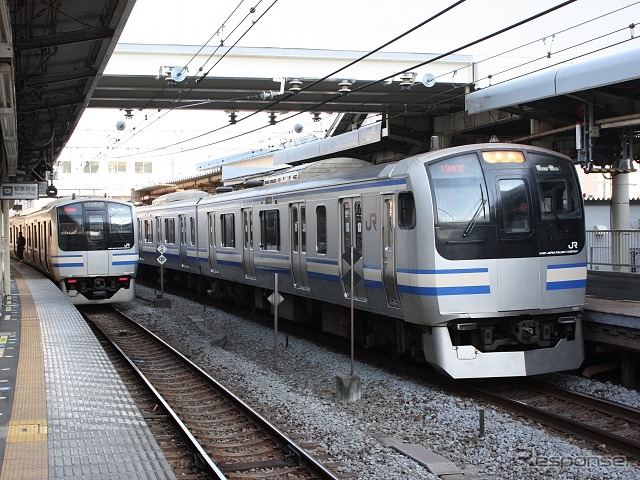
(64, 411)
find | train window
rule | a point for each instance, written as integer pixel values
(71, 228)
(148, 231)
(460, 192)
(346, 225)
(227, 232)
(120, 218)
(303, 232)
(295, 222)
(321, 229)
(170, 230)
(96, 226)
(270, 230)
(515, 205)
(212, 236)
(192, 227)
(183, 230)
(558, 189)
(407, 210)
(357, 206)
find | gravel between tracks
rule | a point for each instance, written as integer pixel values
(299, 397)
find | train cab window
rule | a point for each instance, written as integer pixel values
(270, 230)
(514, 201)
(406, 211)
(227, 231)
(321, 229)
(71, 227)
(459, 189)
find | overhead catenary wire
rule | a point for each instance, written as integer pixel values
(316, 106)
(180, 94)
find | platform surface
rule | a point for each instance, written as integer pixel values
(64, 411)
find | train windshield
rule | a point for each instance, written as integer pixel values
(459, 189)
(95, 225)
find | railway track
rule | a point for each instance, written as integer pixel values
(590, 418)
(577, 415)
(231, 439)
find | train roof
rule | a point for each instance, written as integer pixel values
(330, 172)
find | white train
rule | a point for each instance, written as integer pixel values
(448, 263)
(88, 246)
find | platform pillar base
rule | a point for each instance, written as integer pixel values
(162, 303)
(348, 388)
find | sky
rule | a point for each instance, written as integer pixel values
(563, 35)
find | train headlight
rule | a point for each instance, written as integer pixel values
(123, 282)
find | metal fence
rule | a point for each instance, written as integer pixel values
(613, 251)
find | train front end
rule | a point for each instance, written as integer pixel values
(97, 256)
(508, 275)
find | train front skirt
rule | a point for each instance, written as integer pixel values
(466, 361)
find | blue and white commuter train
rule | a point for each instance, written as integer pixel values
(445, 267)
(88, 246)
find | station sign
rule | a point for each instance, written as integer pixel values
(19, 191)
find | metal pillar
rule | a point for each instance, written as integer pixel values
(5, 253)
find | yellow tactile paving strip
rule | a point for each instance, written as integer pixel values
(26, 455)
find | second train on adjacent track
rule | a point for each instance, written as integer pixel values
(86, 245)
(471, 258)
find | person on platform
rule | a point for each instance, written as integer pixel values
(20, 244)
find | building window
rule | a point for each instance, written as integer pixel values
(64, 167)
(117, 167)
(144, 167)
(91, 167)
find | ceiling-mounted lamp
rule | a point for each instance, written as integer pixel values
(127, 113)
(407, 79)
(316, 116)
(272, 118)
(295, 85)
(344, 86)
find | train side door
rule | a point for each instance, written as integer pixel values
(298, 219)
(351, 233)
(211, 241)
(247, 244)
(182, 220)
(389, 251)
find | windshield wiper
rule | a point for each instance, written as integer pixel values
(474, 219)
(556, 219)
(558, 223)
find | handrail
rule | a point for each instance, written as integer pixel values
(613, 250)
